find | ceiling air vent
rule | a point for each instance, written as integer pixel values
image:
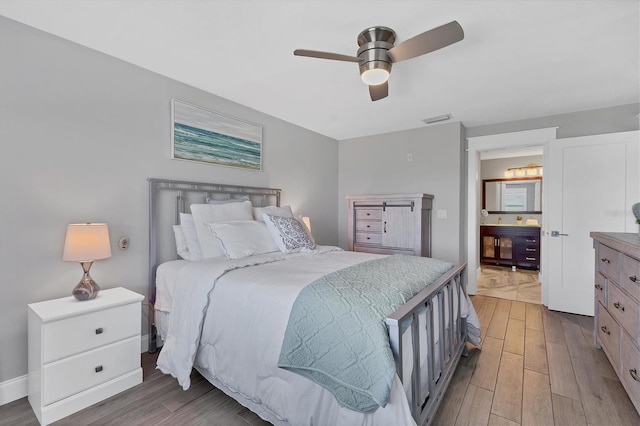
(437, 119)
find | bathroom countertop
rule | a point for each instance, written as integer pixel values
(510, 224)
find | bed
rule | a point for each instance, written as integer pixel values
(229, 317)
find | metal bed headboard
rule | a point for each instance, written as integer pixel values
(169, 198)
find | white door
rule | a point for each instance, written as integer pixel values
(592, 182)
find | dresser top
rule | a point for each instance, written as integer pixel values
(388, 196)
(56, 309)
(627, 243)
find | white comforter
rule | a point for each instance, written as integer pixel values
(242, 313)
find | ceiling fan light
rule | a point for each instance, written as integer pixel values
(375, 76)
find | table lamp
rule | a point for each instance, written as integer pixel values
(84, 243)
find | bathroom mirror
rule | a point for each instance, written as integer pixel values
(517, 195)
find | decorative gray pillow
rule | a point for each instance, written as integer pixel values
(289, 234)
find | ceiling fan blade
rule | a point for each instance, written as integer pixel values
(428, 41)
(325, 55)
(379, 91)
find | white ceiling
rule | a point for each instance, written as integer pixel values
(519, 59)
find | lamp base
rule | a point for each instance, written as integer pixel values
(87, 288)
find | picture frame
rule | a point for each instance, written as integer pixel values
(204, 136)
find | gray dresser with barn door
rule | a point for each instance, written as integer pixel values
(390, 224)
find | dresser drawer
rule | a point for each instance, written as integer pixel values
(608, 262)
(631, 369)
(630, 276)
(369, 226)
(370, 213)
(601, 289)
(623, 308)
(75, 374)
(609, 334)
(368, 238)
(71, 336)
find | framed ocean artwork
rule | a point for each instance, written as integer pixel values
(198, 134)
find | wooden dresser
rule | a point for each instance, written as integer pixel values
(617, 306)
(390, 224)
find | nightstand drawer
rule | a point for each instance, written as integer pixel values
(608, 262)
(71, 336)
(609, 334)
(367, 238)
(75, 374)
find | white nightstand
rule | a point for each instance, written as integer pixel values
(82, 352)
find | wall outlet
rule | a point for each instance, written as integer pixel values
(409, 157)
(441, 214)
(123, 243)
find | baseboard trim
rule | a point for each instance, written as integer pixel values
(13, 389)
(18, 387)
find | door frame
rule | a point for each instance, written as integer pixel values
(476, 145)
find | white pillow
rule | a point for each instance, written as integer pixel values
(242, 238)
(284, 211)
(213, 213)
(181, 242)
(289, 233)
(227, 201)
(189, 229)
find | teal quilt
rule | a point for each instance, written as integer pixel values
(336, 334)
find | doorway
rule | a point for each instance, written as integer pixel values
(510, 223)
(503, 144)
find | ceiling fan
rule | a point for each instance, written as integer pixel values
(377, 52)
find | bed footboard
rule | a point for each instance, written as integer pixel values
(428, 336)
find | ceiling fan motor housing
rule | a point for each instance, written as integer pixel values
(374, 43)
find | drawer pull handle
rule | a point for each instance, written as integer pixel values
(633, 279)
(529, 249)
(98, 369)
(368, 226)
(368, 238)
(634, 374)
(605, 260)
(530, 258)
(604, 330)
(385, 227)
(99, 330)
(599, 287)
(617, 305)
(368, 214)
(530, 241)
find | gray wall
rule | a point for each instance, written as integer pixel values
(80, 133)
(621, 118)
(378, 165)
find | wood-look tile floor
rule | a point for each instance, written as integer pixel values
(501, 282)
(536, 367)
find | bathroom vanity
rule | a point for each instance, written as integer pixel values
(510, 245)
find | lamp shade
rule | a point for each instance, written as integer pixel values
(86, 242)
(307, 222)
